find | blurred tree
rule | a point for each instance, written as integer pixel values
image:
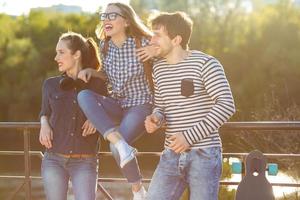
(27, 50)
(258, 46)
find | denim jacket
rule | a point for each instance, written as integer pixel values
(66, 118)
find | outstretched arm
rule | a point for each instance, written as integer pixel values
(87, 73)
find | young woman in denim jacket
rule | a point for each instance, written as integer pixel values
(69, 138)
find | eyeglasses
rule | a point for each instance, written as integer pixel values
(110, 16)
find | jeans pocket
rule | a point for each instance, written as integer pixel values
(168, 161)
(47, 158)
(166, 153)
(46, 155)
(209, 153)
(168, 156)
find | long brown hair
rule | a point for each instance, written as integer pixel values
(135, 29)
(87, 46)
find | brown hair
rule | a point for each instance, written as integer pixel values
(177, 23)
(87, 46)
(135, 28)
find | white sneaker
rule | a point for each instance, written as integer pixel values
(126, 152)
(140, 195)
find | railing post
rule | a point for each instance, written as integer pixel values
(27, 163)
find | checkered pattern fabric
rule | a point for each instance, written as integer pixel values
(126, 74)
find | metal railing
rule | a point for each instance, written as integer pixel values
(232, 126)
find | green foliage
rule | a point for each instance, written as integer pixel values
(27, 50)
(259, 51)
(224, 193)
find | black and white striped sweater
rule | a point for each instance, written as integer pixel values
(199, 115)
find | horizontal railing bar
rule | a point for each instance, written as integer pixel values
(265, 154)
(255, 125)
(224, 154)
(283, 184)
(102, 153)
(147, 180)
(20, 125)
(12, 153)
(262, 125)
(40, 154)
(277, 126)
(19, 177)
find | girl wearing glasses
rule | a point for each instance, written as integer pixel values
(120, 117)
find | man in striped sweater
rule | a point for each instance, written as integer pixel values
(193, 99)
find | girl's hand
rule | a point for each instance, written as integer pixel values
(88, 128)
(146, 53)
(85, 74)
(46, 135)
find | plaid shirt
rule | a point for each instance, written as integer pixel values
(125, 74)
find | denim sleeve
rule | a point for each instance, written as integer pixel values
(98, 85)
(46, 109)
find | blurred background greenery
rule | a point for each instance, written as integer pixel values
(258, 45)
(259, 49)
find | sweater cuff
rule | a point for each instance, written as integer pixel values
(161, 118)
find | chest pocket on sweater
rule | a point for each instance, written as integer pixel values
(187, 87)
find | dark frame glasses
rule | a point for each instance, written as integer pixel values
(110, 16)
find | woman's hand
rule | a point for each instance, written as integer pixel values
(88, 128)
(152, 123)
(85, 74)
(46, 134)
(146, 53)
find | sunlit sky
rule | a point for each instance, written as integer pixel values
(19, 7)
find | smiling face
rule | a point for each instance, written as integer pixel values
(161, 41)
(116, 26)
(64, 57)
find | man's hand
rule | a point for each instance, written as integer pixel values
(146, 53)
(46, 135)
(88, 128)
(152, 123)
(179, 143)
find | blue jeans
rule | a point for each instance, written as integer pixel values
(57, 170)
(106, 114)
(198, 169)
